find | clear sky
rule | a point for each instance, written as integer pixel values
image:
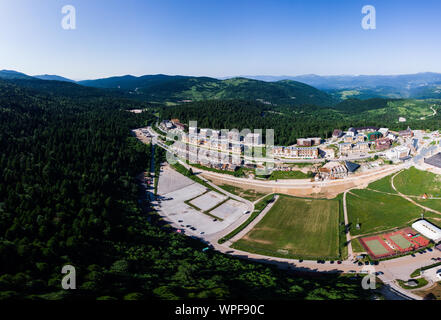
(219, 37)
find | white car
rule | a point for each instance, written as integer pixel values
(246, 212)
(438, 274)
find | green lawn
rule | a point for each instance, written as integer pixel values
(378, 212)
(296, 228)
(417, 182)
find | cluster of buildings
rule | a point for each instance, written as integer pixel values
(224, 147)
(364, 139)
(336, 170)
(228, 141)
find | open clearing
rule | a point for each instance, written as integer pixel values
(377, 212)
(417, 182)
(296, 227)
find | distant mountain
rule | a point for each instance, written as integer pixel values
(164, 88)
(366, 81)
(419, 85)
(52, 77)
(11, 74)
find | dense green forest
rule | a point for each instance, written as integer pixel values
(68, 195)
(290, 123)
(163, 88)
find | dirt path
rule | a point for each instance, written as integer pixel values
(409, 199)
(348, 233)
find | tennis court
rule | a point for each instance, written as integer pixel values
(393, 243)
(402, 242)
(377, 247)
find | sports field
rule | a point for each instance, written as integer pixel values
(296, 227)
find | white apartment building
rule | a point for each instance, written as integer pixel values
(397, 153)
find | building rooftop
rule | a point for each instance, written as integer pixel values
(434, 160)
(352, 167)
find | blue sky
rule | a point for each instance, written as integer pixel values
(219, 38)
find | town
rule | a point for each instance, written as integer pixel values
(337, 157)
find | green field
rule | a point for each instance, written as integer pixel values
(385, 210)
(378, 212)
(296, 228)
(417, 182)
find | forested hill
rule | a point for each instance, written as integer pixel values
(163, 88)
(68, 196)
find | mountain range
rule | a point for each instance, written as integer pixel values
(177, 89)
(418, 85)
(277, 90)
